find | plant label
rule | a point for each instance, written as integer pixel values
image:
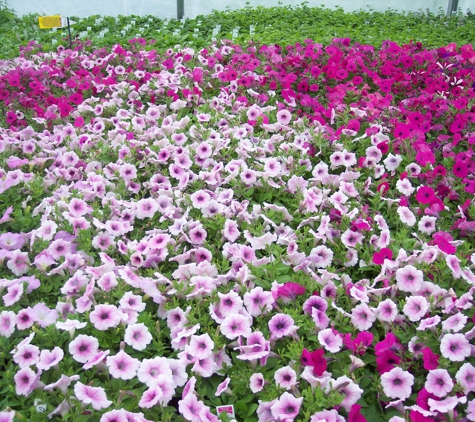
(229, 409)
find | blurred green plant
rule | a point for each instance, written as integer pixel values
(270, 25)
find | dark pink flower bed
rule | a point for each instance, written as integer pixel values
(284, 231)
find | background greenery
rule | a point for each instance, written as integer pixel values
(281, 25)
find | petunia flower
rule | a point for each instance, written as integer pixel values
(351, 391)
(151, 369)
(285, 377)
(439, 382)
(415, 307)
(83, 348)
(137, 336)
(49, 358)
(397, 383)
(455, 347)
(235, 325)
(150, 397)
(7, 415)
(26, 355)
(409, 279)
(330, 340)
(287, 407)
(95, 396)
(281, 325)
(465, 376)
(26, 380)
(190, 407)
(256, 382)
(105, 317)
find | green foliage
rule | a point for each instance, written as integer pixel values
(280, 25)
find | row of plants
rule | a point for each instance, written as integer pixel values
(287, 230)
(281, 25)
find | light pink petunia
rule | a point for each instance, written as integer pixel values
(19, 263)
(455, 347)
(122, 366)
(200, 346)
(7, 416)
(235, 325)
(62, 384)
(256, 382)
(43, 315)
(415, 307)
(285, 377)
(287, 407)
(151, 397)
(190, 407)
(27, 355)
(465, 376)
(406, 216)
(455, 322)
(146, 208)
(281, 325)
(26, 380)
(96, 396)
(105, 317)
(150, 369)
(350, 390)
(409, 279)
(205, 367)
(49, 358)
(7, 323)
(397, 383)
(229, 303)
(386, 311)
(83, 348)
(137, 336)
(330, 340)
(222, 387)
(362, 317)
(446, 405)
(284, 117)
(439, 383)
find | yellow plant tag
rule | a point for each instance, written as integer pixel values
(47, 22)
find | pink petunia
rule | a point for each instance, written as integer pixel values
(96, 396)
(137, 336)
(83, 348)
(439, 382)
(105, 317)
(287, 407)
(26, 380)
(397, 383)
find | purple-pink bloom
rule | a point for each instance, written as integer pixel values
(122, 365)
(287, 407)
(235, 325)
(96, 396)
(397, 383)
(151, 397)
(137, 336)
(438, 382)
(455, 347)
(26, 380)
(105, 316)
(190, 407)
(49, 358)
(7, 323)
(281, 325)
(83, 348)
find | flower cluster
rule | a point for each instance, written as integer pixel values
(285, 230)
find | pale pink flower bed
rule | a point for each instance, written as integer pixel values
(286, 230)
